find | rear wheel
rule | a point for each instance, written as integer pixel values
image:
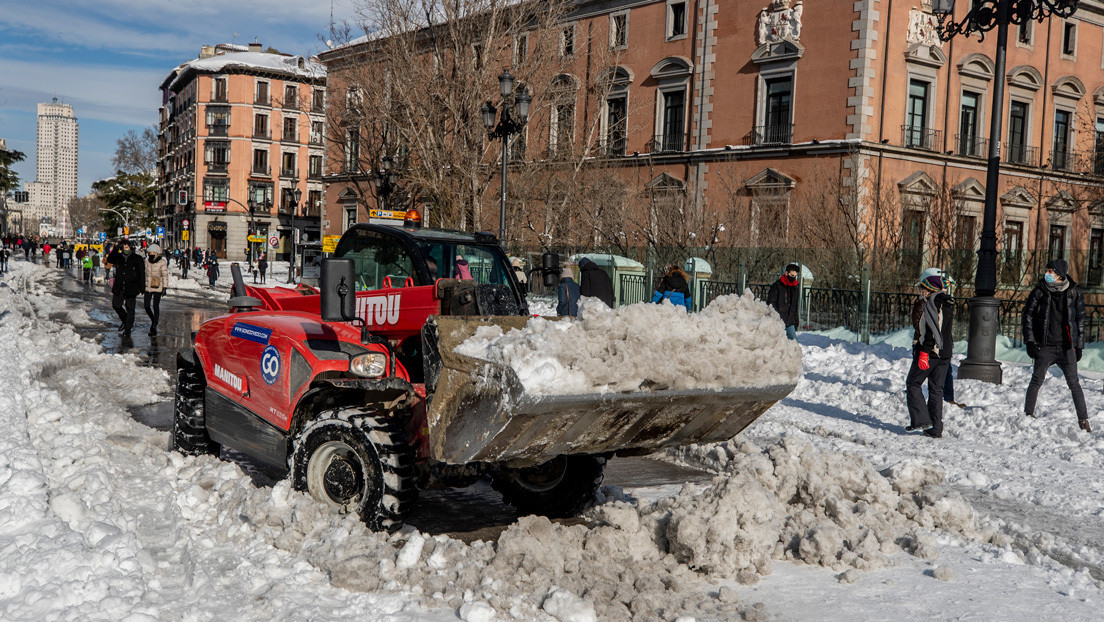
(564, 486)
(189, 431)
(353, 459)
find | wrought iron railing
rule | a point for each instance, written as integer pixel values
(917, 137)
(666, 143)
(1016, 153)
(972, 146)
(772, 134)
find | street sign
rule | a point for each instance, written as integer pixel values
(296, 236)
(103, 236)
(80, 231)
(160, 232)
(329, 243)
(124, 230)
(256, 239)
(184, 235)
(186, 223)
(273, 241)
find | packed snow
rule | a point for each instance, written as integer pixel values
(736, 341)
(824, 508)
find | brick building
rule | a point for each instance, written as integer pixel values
(241, 127)
(747, 115)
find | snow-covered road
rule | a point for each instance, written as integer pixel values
(98, 520)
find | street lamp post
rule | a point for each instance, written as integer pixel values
(124, 214)
(983, 16)
(385, 182)
(296, 195)
(509, 123)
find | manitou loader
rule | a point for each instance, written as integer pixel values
(354, 387)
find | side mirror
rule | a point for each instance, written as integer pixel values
(550, 268)
(338, 290)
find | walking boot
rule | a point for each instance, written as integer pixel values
(922, 427)
(1084, 425)
(152, 331)
(1032, 415)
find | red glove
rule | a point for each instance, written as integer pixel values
(923, 362)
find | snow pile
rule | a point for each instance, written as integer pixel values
(736, 341)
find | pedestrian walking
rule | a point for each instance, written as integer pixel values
(595, 282)
(567, 294)
(213, 271)
(674, 286)
(86, 269)
(185, 263)
(1054, 333)
(784, 295)
(5, 254)
(262, 266)
(932, 346)
(157, 278)
(130, 281)
(96, 259)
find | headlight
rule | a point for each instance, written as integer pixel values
(371, 365)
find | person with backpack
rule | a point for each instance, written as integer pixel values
(675, 287)
(567, 294)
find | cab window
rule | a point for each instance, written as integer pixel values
(449, 260)
(379, 261)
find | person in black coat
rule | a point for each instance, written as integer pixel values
(130, 280)
(594, 282)
(567, 294)
(1054, 333)
(932, 346)
(784, 295)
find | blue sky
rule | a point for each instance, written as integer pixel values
(107, 58)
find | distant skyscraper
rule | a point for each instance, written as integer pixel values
(56, 166)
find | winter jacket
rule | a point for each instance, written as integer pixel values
(674, 288)
(1036, 315)
(157, 268)
(945, 304)
(593, 281)
(568, 295)
(213, 271)
(784, 299)
(130, 274)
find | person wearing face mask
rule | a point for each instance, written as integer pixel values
(130, 280)
(157, 277)
(1054, 333)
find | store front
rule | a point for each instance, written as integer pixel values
(216, 238)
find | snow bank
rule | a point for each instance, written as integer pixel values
(736, 341)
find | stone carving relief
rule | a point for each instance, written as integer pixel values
(923, 28)
(779, 22)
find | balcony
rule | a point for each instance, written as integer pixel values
(1016, 153)
(291, 104)
(314, 174)
(260, 134)
(290, 137)
(260, 169)
(260, 100)
(772, 134)
(971, 146)
(316, 139)
(924, 138)
(1069, 160)
(218, 130)
(218, 167)
(318, 107)
(666, 143)
(288, 172)
(612, 147)
(220, 98)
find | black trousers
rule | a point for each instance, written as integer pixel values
(124, 307)
(1066, 360)
(152, 301)
(921, 413)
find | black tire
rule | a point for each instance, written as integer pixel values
(189, 431)
(353, 459)
(562, 487)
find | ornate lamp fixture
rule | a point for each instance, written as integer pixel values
(985, 15)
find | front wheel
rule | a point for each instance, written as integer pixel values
(564, 486)
(353, 459)
(189, 431)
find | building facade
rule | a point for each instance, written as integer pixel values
(743, 119)
(240, 131)
(55, 181)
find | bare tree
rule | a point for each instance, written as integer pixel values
(136, 153)
(85, 211)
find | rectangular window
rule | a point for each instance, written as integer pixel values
(317, 128)
(216, 154)
(1069, 39)
(291, 126)
(352, 150)
(318, 100)
(1017, 133)
(567, 40)
(1012, 252)
(260, 126)
(676, 16)
(517, 147)
(261, 94)
(912, 255)
(965, 232)
(616, 125)
(218, 120)
(314, 166)
(287, 200)
(219, 94)
(260, 162)
(1098, 148)
(477, 55)
(1023, 32)
(916, 120)
(216, 190)
(777, 126)
(1056, 245)
(291, 96)
(314, 204)
(1096, 258)
(562, 135)
(968, 125)
(521, 49)
(261, 195)
(287, 165)
(619, 30)
(1060, 159)
(674, 107)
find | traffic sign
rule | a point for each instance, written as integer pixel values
(329, 243)
(273, 241)
(160, 232)
(186, 223)
(184, 235)
(124, 230)
(256, 239)
(103, 236)
(80, 231)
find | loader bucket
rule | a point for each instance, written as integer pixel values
(480, 412)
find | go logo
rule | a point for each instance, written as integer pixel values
(270, 364)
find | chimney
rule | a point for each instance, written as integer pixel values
(255, 47)
(207, 51)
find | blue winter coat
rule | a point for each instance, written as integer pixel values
(676, 298)
(568, 295)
